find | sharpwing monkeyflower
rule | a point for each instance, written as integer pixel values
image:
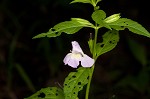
(76, 56)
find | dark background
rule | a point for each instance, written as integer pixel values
(27, 65)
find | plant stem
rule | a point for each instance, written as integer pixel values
(94, 43)
(89, 83)
(92, 68)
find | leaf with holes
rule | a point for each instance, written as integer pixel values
(48, 93)
(75, 82)
(110, 40)
(133, 26)
(69, 27)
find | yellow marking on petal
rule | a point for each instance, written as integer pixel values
(76, 55)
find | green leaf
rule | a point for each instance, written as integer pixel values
(75, 82)
(133, 26)
(93, 2)
(110, 40)
(97, 1)
(82, 22)
(69, 27)
(81, 1)
(48, 93)
(112, 18)
(98, 16)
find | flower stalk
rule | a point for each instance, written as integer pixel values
(92, 68)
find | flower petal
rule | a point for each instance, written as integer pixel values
(87, 61)
(67, 58)
(76, 47)
(73, 62)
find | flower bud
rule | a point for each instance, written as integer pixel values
(112, 18)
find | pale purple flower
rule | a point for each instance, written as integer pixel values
(76, 56)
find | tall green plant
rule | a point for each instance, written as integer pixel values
(75, 81)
